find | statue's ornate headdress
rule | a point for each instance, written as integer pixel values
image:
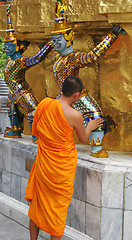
(10, 36)
(61, 26)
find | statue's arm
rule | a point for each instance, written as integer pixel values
(31, 61)
(82, 59)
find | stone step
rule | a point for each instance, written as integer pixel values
(3, 111)
(4, 104)
(4, 87)
(3, 95)
(2, 92)
(3, 84)
(2, 81)
(3, 107)
(18, 212)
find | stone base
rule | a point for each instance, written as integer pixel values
(101, 207)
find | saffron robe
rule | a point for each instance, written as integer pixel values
(50, 184)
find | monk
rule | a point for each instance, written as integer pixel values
(50, 185)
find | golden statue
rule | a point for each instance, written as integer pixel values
(67, 63)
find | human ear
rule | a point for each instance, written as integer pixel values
(76, 95)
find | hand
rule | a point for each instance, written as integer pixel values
(93, 124)
(116, 29)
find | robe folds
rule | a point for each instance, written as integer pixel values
(50, 185)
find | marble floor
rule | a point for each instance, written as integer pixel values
(10, 230)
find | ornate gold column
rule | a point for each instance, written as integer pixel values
(109, 79)
(118, 12)
(116, 75)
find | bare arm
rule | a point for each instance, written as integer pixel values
(82, 133)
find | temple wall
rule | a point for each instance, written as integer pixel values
(103, 187)
(109, 79)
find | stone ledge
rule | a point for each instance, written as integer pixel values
(18, 212)
(120, 18)
(116, 158)
(91, 17)
(124, 8)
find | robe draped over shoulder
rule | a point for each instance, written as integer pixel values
(50, 185)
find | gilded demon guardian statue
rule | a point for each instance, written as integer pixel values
(67, 63)
(22, 101)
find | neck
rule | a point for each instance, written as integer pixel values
(66, 100)
(16, 55)
(67, 51)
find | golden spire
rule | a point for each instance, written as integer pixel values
(10, 36)
(61, 26)
(61, 7)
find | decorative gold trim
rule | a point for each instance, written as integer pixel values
(11, 136)
(84, 93)
(100, 154)
(97, 143)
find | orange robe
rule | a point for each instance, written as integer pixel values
(50, 184)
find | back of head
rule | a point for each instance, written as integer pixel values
(71, 85)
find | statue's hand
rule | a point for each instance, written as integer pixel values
(116, 29)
